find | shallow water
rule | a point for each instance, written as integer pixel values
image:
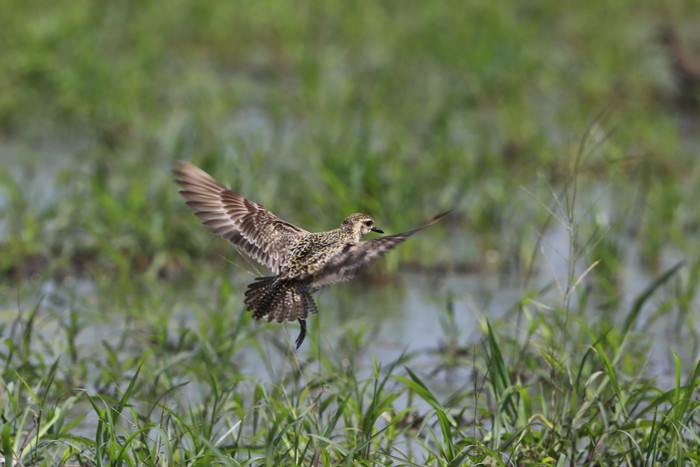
(405, 317)
(418, 313)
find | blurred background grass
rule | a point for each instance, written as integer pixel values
(319, 109)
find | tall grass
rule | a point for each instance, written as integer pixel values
(545, 386)
(124, 339)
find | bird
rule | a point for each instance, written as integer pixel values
(301, 262)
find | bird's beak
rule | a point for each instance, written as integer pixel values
(374, 229)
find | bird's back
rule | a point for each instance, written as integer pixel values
(311, 252)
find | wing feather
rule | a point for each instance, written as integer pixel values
(247, 225)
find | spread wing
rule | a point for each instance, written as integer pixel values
(355, 255)
(249, 226)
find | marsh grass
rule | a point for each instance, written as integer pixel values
(546, 386)
(545, 406)
(124, 339)
(362, 103)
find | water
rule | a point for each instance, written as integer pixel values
(419, 312)
(409, 315)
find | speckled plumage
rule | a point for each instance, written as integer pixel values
(301, 262)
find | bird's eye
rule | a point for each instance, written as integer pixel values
(368, 223)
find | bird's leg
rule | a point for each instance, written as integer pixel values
(302, 333)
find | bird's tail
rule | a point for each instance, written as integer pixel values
(279, 299)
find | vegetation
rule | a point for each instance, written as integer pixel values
(553, 131)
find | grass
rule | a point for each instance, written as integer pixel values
(344, 100)
(188, 398)
(550, 130)
(170, 389)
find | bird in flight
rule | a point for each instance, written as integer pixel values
(301, 262)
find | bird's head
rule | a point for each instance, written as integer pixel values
(359, 225)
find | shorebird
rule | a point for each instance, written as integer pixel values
(301, 262)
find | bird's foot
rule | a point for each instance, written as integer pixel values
(302, 333)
